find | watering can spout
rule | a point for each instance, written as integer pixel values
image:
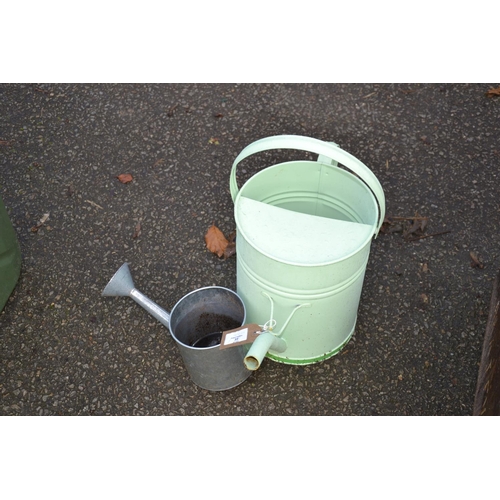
(122, 285)
(265, 342)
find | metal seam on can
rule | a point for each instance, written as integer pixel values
(298, 294)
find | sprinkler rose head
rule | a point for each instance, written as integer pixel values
(121, 284)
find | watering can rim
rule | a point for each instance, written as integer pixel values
(360, 247)
(322, 148)
(199, 290)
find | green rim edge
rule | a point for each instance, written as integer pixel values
(309, 361)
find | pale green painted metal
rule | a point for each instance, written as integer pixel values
(304, 235)
(260, 347)
(10, 256)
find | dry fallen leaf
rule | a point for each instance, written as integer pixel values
(417, 226)
(413, 228)
(230, 250)
(215, 240)
(475, 262)
(232, 237)
(493, 92)
(137, 231)
(213, 140)
(124, 178)
(388, 226)
(41, 222)
(231, 246)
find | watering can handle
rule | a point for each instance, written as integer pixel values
(325, 149)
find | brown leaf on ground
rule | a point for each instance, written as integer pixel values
(388, 226)
(412, 227)
(475, 262)
(41, 222)
(137, 231)
(493, 92)
(124, 178)
(230, 250)
(417, 226)
(215, 240)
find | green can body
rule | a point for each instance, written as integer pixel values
(10, 256)
(304, 231)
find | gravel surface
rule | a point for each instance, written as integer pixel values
(66, 350)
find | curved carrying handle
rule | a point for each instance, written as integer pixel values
(321, 148)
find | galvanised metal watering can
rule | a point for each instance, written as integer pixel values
(196, 323)
(304, 231)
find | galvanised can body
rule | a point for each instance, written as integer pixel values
(209, 367)
(304, 231)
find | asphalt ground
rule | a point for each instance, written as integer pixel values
(66, 350)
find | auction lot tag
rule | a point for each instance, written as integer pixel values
(245, 334)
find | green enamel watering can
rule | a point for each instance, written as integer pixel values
(304, 231)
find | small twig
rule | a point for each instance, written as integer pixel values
(41, 222)
(408, 218)
(43, 91)
(170, 111)
(428, 235)
(94, 204)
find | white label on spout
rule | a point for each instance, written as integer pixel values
(238, 336)
(241, 335)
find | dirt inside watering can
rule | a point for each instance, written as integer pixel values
(209, 328)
